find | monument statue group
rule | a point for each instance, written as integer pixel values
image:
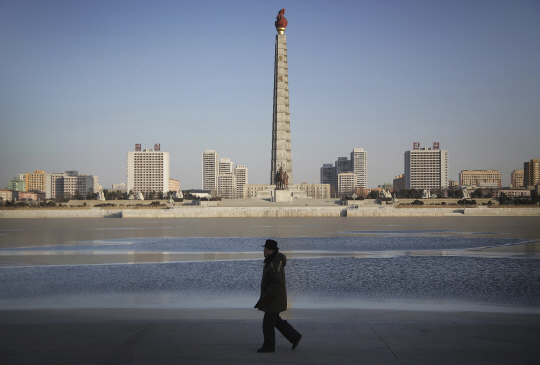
(281, 179)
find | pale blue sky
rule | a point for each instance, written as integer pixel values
(83, 81)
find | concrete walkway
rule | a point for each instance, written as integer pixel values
(330, 337)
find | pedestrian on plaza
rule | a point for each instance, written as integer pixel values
(273, 299)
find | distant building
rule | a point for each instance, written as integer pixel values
(399, 183)
(426, 168)
(480, 178)
(531, 173)
(210, 170)
(148, 170)
(346, 184)
(17, 185)
(357, 165)
(516, 178)
(37, 181)
(316, 191)
(227, 186)
(219, 174)
(6, 195)
(174, 185)
(226, 180)
(512, 193)
(452, 184)
(27, 196)
(327, 174)
(241, 173)
(386, 186)
(69, 183)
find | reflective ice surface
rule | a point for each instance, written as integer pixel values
(401, 271)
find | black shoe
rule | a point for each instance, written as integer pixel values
(295, 343)
(265, 350)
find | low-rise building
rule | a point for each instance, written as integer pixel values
(399, 183)
(480, 178)
(174, 185)
(6, 195)
(346, 184)
(512, 193)
(315, 191)
(17, 185)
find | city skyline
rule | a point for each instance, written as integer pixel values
(83, 82)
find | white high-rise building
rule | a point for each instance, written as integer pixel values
(241, 173)
(210, 170)
(359, 167)
(148, 170)
(225, 166)
(356, 165)
(426, 168)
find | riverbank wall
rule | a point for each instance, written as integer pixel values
(262, 212)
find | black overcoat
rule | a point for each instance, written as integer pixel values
(273, 291)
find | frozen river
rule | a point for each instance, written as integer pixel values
(395, 268)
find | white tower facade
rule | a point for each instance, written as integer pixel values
(426, 168)
(210, 170)
(241, 173)
(359, 167)
(148, 171)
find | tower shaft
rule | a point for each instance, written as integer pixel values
(281, 126)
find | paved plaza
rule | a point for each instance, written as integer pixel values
(232, 337)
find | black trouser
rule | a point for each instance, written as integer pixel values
(271, 320)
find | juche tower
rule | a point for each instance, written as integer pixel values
(281, 125)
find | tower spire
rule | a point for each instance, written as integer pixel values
(281, 131)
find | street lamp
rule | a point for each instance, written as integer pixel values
(354, 196)
(131, 198)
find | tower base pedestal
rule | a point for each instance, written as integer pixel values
(282, 196)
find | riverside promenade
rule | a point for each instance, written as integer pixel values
(232, 336)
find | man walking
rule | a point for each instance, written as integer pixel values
(273, 299)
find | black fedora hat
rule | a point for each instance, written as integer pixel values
(271, 245)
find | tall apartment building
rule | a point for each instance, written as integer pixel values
(148, 170)
(531, 173)
(210, 170)
(516, 178)
(241, 173)
(359, 166)
(480, 178)
(174, 185)
(356, 165)
(426, 168)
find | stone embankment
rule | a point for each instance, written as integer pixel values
(271, 212)
(61, 213)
